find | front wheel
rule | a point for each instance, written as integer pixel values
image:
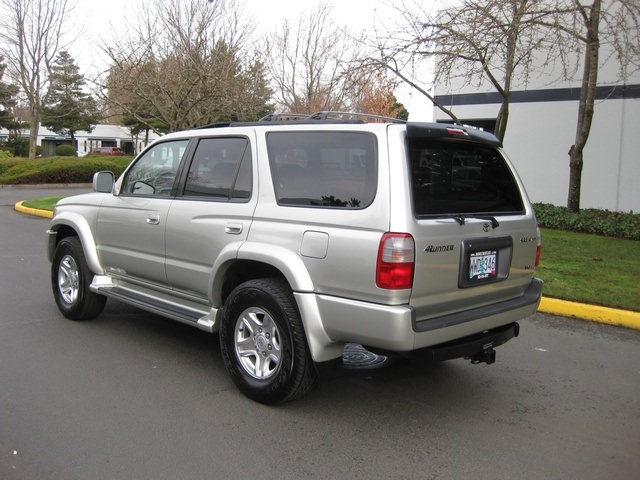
(263, 343)
(70, 280)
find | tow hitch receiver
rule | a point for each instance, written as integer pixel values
(478, 348)
(486, 356)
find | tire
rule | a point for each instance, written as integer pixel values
(70, 280)
(263, 343)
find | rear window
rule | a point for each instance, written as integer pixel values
(461, 178)
(323, 169)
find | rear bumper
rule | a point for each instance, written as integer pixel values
(395, 328)
(531, 297)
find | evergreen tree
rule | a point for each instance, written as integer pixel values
(68, 108)
(15, 142)
(8, 95)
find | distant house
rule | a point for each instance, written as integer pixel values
(101, 136)
(541, 129)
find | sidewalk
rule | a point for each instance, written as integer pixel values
(552, 306)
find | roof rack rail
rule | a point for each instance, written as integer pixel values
(214, 125)
(329, 114)
(283, 117)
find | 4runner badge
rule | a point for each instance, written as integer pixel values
(438, 248)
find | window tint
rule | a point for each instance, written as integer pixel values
(323, 169)
(456, 178)
(221, 168)
(155, 172)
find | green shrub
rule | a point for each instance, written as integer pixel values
(7, 163)
(5, 154)
(22, 171)
(66, 151)
(589, 220)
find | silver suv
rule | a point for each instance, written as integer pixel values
(293, 238)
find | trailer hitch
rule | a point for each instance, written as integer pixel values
(487, 356)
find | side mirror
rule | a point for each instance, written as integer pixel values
(103, 182)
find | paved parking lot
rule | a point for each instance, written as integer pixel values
(132, 395)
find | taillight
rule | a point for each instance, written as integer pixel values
(539, 249)
(396, 261)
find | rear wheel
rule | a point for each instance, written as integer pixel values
(70, 280)
(263, 344)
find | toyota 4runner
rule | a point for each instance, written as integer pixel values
(293, 238)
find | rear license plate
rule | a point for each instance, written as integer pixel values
(483, 265)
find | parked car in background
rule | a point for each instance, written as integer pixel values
(112, 151)
(293, 238)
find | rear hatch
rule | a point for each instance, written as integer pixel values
(475, 232)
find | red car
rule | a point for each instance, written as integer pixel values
(112, 151)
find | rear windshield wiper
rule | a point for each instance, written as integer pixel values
(461, 219)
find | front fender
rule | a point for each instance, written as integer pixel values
(80, 225)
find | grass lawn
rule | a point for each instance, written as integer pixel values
(591, 269)
(45, 203)
(574, 266)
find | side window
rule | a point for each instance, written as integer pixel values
(221, 169)
(155, 172)
(323, 169)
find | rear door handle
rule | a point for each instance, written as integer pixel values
(233, 228)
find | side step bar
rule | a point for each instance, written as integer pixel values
(200, 316)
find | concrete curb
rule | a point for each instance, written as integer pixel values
(594, 313)
(552, 306)
(41, 186)
(32, 211)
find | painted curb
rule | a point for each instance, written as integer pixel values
(32, 211)
(553, 306)
(612, 316)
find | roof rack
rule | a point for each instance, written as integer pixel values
(328, 115)
(283, 117)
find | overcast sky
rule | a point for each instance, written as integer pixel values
(97, 20)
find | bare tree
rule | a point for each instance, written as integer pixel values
(504, 42)
(312, 63)
(185, 64)
(590, 26)
(473, 42)
(31, 33)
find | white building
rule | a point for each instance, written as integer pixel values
(101, 136)
(541, 129)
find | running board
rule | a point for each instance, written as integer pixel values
(190, 313)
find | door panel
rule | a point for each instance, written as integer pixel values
(131, 237)
(131, 225)
(214, 212)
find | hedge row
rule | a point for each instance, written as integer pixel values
(17, 171)
(589, 220)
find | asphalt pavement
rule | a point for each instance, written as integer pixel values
(134, 395)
